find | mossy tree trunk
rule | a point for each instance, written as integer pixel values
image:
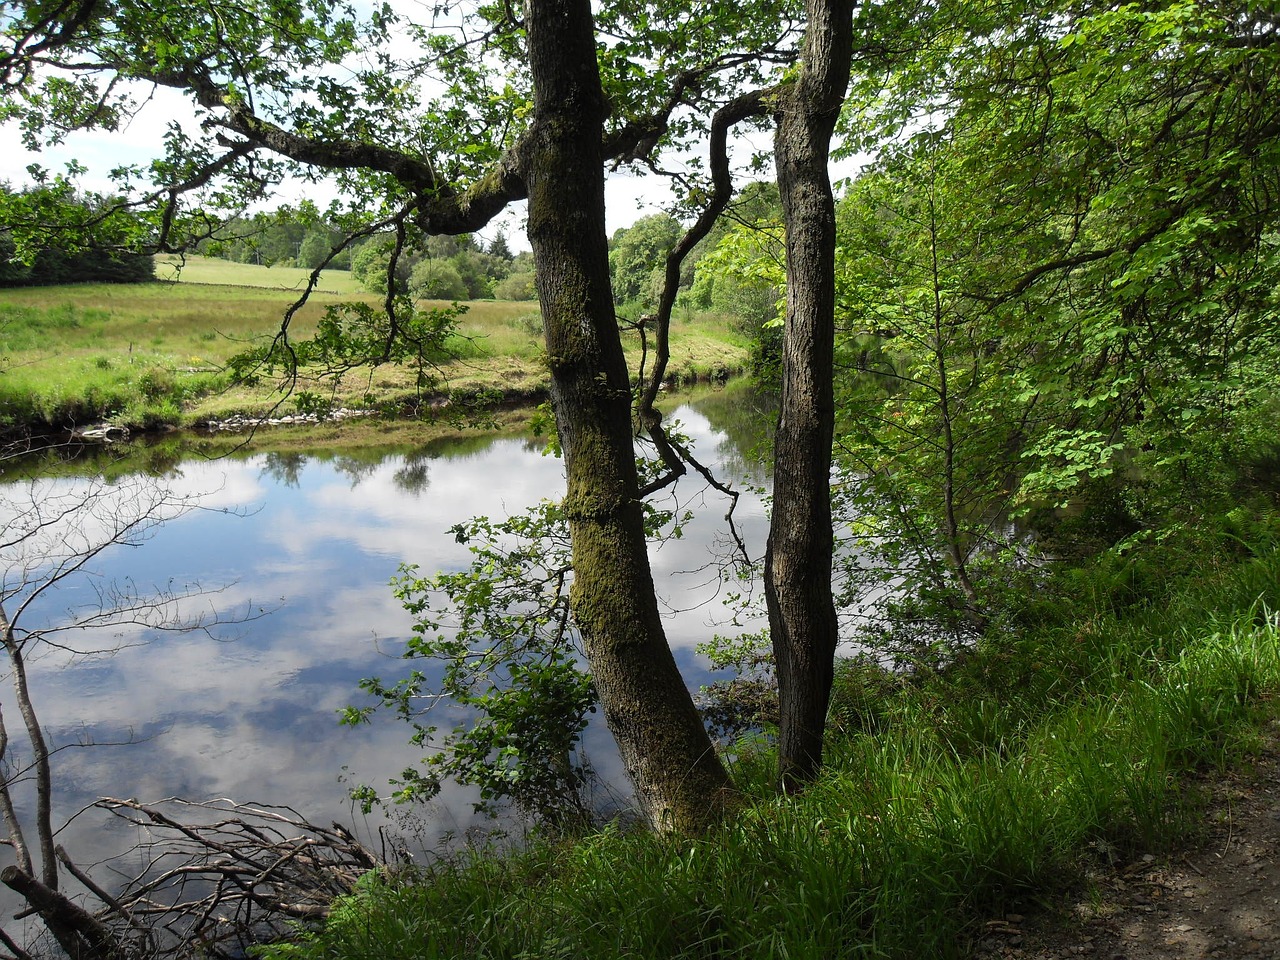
(680, 780)
(802, 619)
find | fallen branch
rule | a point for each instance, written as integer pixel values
(222, 874)
(82, 935)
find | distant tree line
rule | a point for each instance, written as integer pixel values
(462, 268)
(96, 256)
(433, 268)
(448, 268)
(52, 266)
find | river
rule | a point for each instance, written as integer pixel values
(301, 548)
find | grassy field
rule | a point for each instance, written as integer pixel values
(144, 355)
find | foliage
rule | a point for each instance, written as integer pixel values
(637, 258)
(739, 272)
(726, 254)
(516, 286)
(283, 237)
(371, 262)
(747, 702)
(98, 254)
(437, 280)
(354, 335)
(442, 267)
(498, 651)
(743, 277)
(1063, 289)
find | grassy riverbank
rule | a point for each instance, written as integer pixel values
(1077, 738)
(145, 355)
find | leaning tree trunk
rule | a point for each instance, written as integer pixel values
(680, 781)
(802, 619)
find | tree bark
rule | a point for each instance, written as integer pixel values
(802, 619)
(680, 781)
(78, 932)
(40, 760)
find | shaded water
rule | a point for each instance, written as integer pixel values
(311, 543)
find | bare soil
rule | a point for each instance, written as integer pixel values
(1218, 898)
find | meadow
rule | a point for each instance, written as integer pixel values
(152, 355)
(211, 270)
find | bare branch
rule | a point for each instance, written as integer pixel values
(218, 870)
(52, 534)
(82, 935)
(749, 105)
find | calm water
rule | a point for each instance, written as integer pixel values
(251, 712)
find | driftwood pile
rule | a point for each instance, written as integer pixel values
(205, 878)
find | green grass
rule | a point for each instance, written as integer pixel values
(211, 270)
(146, 354)
(947, 800)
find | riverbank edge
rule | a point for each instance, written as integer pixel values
(472, 408)
(516, 413)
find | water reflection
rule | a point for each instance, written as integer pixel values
(251, 714)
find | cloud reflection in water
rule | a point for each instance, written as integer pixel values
(253, 714)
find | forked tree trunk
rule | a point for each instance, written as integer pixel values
(802, 619)
(679, 779)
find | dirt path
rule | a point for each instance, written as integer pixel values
(1219, 899)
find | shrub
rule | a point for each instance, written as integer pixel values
(437, 280)
(518, 286)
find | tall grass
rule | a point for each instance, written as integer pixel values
(946, 801)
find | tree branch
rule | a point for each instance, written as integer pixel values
(752, 104)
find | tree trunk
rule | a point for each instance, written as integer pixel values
(679, 779)
(802, 618)
(77, 931)
(39, 759)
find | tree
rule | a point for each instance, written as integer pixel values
(500, 248)
(516, 286)
(477, 271)
(104, 257)
(743, 274)
(1060, 297)
(730, 269)
(802, 618)
(286, 104)
(635, 257)
(663, 743)
(316, 249)
(437, 280)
